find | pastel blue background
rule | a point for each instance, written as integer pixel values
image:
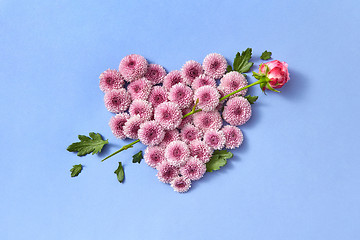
(297, 175)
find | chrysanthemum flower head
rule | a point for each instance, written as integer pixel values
(208, 120)
(117, 100)
(200, 150)
(167, 172)
(214, 139)
(170, 136)
(203, 80)
(233, 136)
(155, 73)
(191, 70)
(132, 126)
(133, 67)
(208, 98)
(173, 78)
(117, 123)
(154, 156)
(187, 120)
(158, 95)
(110, 79)
(142, 108)
(181, 95)
(139, 89)
(177, 153)
(237, 111)
(168, 115)
(181, 184)
(190, 133)
(151, 133)
(215, 65)
(231, 82)
(194, 169)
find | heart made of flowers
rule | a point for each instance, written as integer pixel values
(187, 118)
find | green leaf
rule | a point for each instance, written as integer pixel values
(120, 173)
(88, 145)
(241, 62)
(76, 170)
(137, 157)
(266, 55)
(218, 159)
(229, 68)
(251, 99)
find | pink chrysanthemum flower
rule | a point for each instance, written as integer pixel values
(215, 65)
(133, 67)
(208, 98)
(194, 169)
(214, 139)
(173, 78)
(167, 172)
(142, 108)
(200, 150)
(155, 74)
(231, 82)
(117, 100)
(177, 153)
(187, 120)
(208, 120)
(168, 115)
(233, 136)
(181, 95)
(132, 126)
(154, 156)
(191, 70)
(151, 133)
(181, 184)
(139, 89)
(117, 123)
(203, 80)
(170, 136)
(237, 111)
(158, 95)
(110, 79)
(190, 133)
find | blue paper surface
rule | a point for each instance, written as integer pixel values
(295, 177)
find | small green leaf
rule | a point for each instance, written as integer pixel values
(229, 68)
(120, 173)
(266, 55)
(236, 61)
(218, 159)
(76, 170)
(88, 145)
(137, 157)
(241, 62)
(251, 99)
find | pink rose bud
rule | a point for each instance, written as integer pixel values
(277, 73)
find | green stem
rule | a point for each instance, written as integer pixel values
(250, 85)
(130, 145)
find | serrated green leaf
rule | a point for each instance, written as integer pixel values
(266, 55)
(120, 173)
(241, 62)
(137, 157)
(229, 68)
(218, 159)
(251, 99)
(88, 145)
(76, 170)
